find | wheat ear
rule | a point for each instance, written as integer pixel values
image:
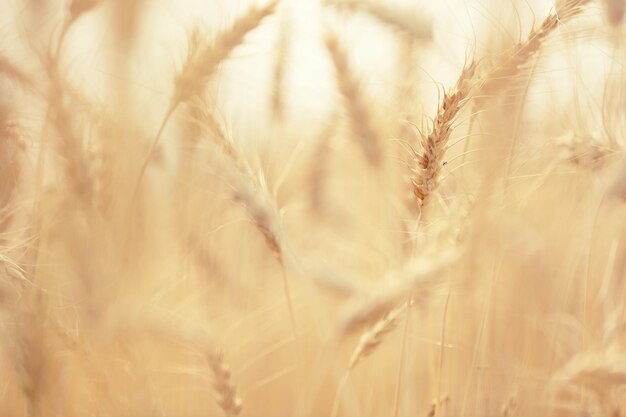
(165, 327)
(252, 194)
(373, 337)
(223, 386)
(429, 160)
(358, 110)
(412, 280)
(202, 61)
(510, 64)
(368, 343)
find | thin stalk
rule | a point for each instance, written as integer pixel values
(405, 334)
(340, 388)
(441, 352)
(170, 111)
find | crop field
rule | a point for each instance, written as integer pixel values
(312, 208)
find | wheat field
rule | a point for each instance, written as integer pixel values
(358, 208)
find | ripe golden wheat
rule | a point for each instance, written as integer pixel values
(312, 208)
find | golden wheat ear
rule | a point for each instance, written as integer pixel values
(355, 101)
(223, 386)
(414, 279)
(203, 60)
(374, 336)
(428, 161)
(510, 64)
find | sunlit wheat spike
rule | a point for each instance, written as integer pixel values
(265, 219)
(249, 192)
(512, 62)
(428, 161)
(414, 279)
(203, 118)
(357, 106)
(270, 265)
(203, 60)
(225, 390)
(374, 336)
